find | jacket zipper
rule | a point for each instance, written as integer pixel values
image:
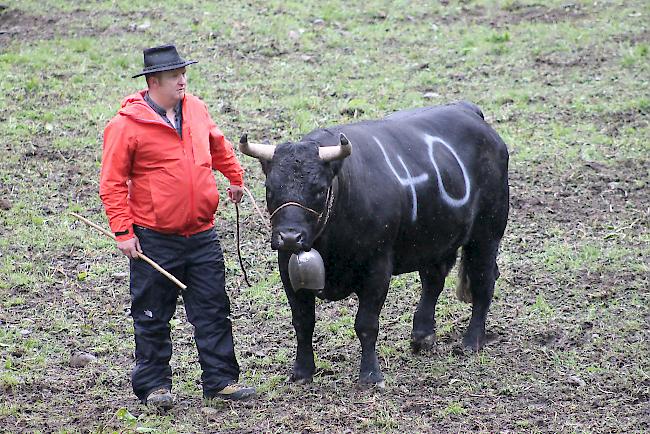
(189, 168)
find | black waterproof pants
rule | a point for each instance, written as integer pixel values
(196, 261)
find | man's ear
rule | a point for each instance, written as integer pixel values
(152, 78)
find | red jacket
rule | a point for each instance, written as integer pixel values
(153, 178)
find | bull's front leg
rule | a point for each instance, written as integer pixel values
(303, 318)
(371, 300)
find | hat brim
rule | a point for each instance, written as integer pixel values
(161, 68)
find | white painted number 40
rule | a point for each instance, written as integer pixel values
(411, 181)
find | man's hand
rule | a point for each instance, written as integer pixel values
(235, 193)
(130, 247)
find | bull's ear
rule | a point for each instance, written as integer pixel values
(266, 166)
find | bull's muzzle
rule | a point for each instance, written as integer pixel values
(290, 241)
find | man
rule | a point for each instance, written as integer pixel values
(160, 197)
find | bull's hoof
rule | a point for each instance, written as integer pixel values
(424, 343)
(473, 341)
(372, 380)
(301, 380)
(379, 386)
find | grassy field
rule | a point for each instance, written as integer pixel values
(567, 85)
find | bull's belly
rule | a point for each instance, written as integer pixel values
(429, 243)
(415, 259)
(346, 274)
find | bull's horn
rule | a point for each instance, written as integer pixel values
(256, 150)
(333, 153)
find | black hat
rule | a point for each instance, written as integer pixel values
(163, 58)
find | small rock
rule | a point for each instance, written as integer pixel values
(352, 111)
(120, 275)
(25, 332)
(293, 35)
(318, 22)
(5, 204)
(209, 411)
(226, 108)
(430, 95)
(144, 26)
(80, 360)
(306, 58)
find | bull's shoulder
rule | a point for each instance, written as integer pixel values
(468, 105)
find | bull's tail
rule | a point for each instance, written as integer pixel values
(463, 292)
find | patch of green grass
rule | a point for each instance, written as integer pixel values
(14, 301)
(455, 409)
(541, 306)
(636, 54)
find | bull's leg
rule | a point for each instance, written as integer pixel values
(481, 268)
(424, 323)
(303, 317)
(371, 300)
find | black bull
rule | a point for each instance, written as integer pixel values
(406, 193)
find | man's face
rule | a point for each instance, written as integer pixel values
(170, 85)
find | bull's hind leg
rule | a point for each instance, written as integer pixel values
(424, 322)
(480, 269)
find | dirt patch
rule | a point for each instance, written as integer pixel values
(15, 24)
(631, 118)
(634, 38)
(582, 195)
(513, 15)
(537, 13)
(609, 123)
(566, 60)
(18, 26)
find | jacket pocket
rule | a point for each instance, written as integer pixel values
(206, 194)
(140, 198)
(169, 195)
(201, 146)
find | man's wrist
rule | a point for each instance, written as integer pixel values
(237, 182)
(124, 235)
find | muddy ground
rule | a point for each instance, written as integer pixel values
(568, 349)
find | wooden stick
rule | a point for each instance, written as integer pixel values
(140, 255)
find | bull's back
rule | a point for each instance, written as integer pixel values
(416, 179)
